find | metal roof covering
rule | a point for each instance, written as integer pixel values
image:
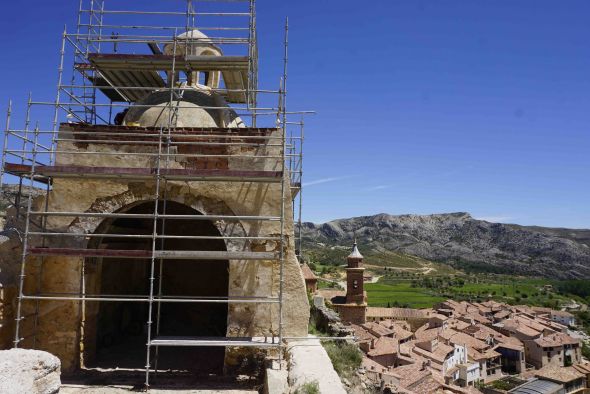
(538, 386)
(355, 254)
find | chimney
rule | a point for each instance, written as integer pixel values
(372, 343)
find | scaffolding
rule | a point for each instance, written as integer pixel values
(117, 60)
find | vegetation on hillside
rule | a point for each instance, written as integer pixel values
(409, 281)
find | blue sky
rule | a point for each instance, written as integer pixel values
(423, 106)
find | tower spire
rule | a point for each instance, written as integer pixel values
(355, 254)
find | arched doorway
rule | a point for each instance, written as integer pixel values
(115, 331)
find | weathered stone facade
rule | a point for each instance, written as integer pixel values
(68, 328)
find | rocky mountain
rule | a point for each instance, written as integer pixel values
(460, 240)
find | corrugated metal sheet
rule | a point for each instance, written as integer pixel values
(538, 386)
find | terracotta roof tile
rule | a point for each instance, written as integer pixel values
(308, 273)
(393, 313)
(557, 339)
(377, 329)
(559, 374)
(383, 346)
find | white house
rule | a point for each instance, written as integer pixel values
(563, 317)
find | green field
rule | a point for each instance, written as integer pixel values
(402, 294)
(424, 291)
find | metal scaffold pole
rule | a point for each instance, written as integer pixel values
(168, 128)
(5, 145)
(222, 133)
(19, 308)
(284, 187)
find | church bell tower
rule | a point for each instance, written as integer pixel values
(354, 310)
(355, 293)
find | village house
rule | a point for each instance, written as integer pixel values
(311, 280)
(584, 368)
(378, 374)
(557, 349)
(563, 317)
(457, 346)
(511, 349)
(477, 351)
(383, 351)
(414, 317)
(572, 381)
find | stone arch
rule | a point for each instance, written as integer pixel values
(94, 275)
(133, 197)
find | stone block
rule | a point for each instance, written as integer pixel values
(24, 371)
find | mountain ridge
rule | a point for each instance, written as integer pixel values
(462, 241)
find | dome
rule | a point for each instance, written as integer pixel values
(199, 44)
(190, 111)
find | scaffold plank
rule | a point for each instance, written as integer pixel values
(127, 70)
(225, 132)
(187, 174)
(215, 341)
(156, 62)
(159, 254)
(140, 299)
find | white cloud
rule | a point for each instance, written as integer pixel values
(379, 187)
(324, 180)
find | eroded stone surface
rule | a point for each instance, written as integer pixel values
(309, 362)
(25, 371)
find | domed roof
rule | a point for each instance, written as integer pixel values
(195, 34)
(355, 254)
(197, 42)
(195, 108)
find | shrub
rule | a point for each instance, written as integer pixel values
(309, 388)
(345, 357)
(501, 385)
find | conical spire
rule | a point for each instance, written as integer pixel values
(355, 254)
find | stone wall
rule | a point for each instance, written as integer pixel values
(61, 326)
(10, 258)
(352, 313)
(327, 320)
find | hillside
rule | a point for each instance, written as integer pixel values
(458, 240)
